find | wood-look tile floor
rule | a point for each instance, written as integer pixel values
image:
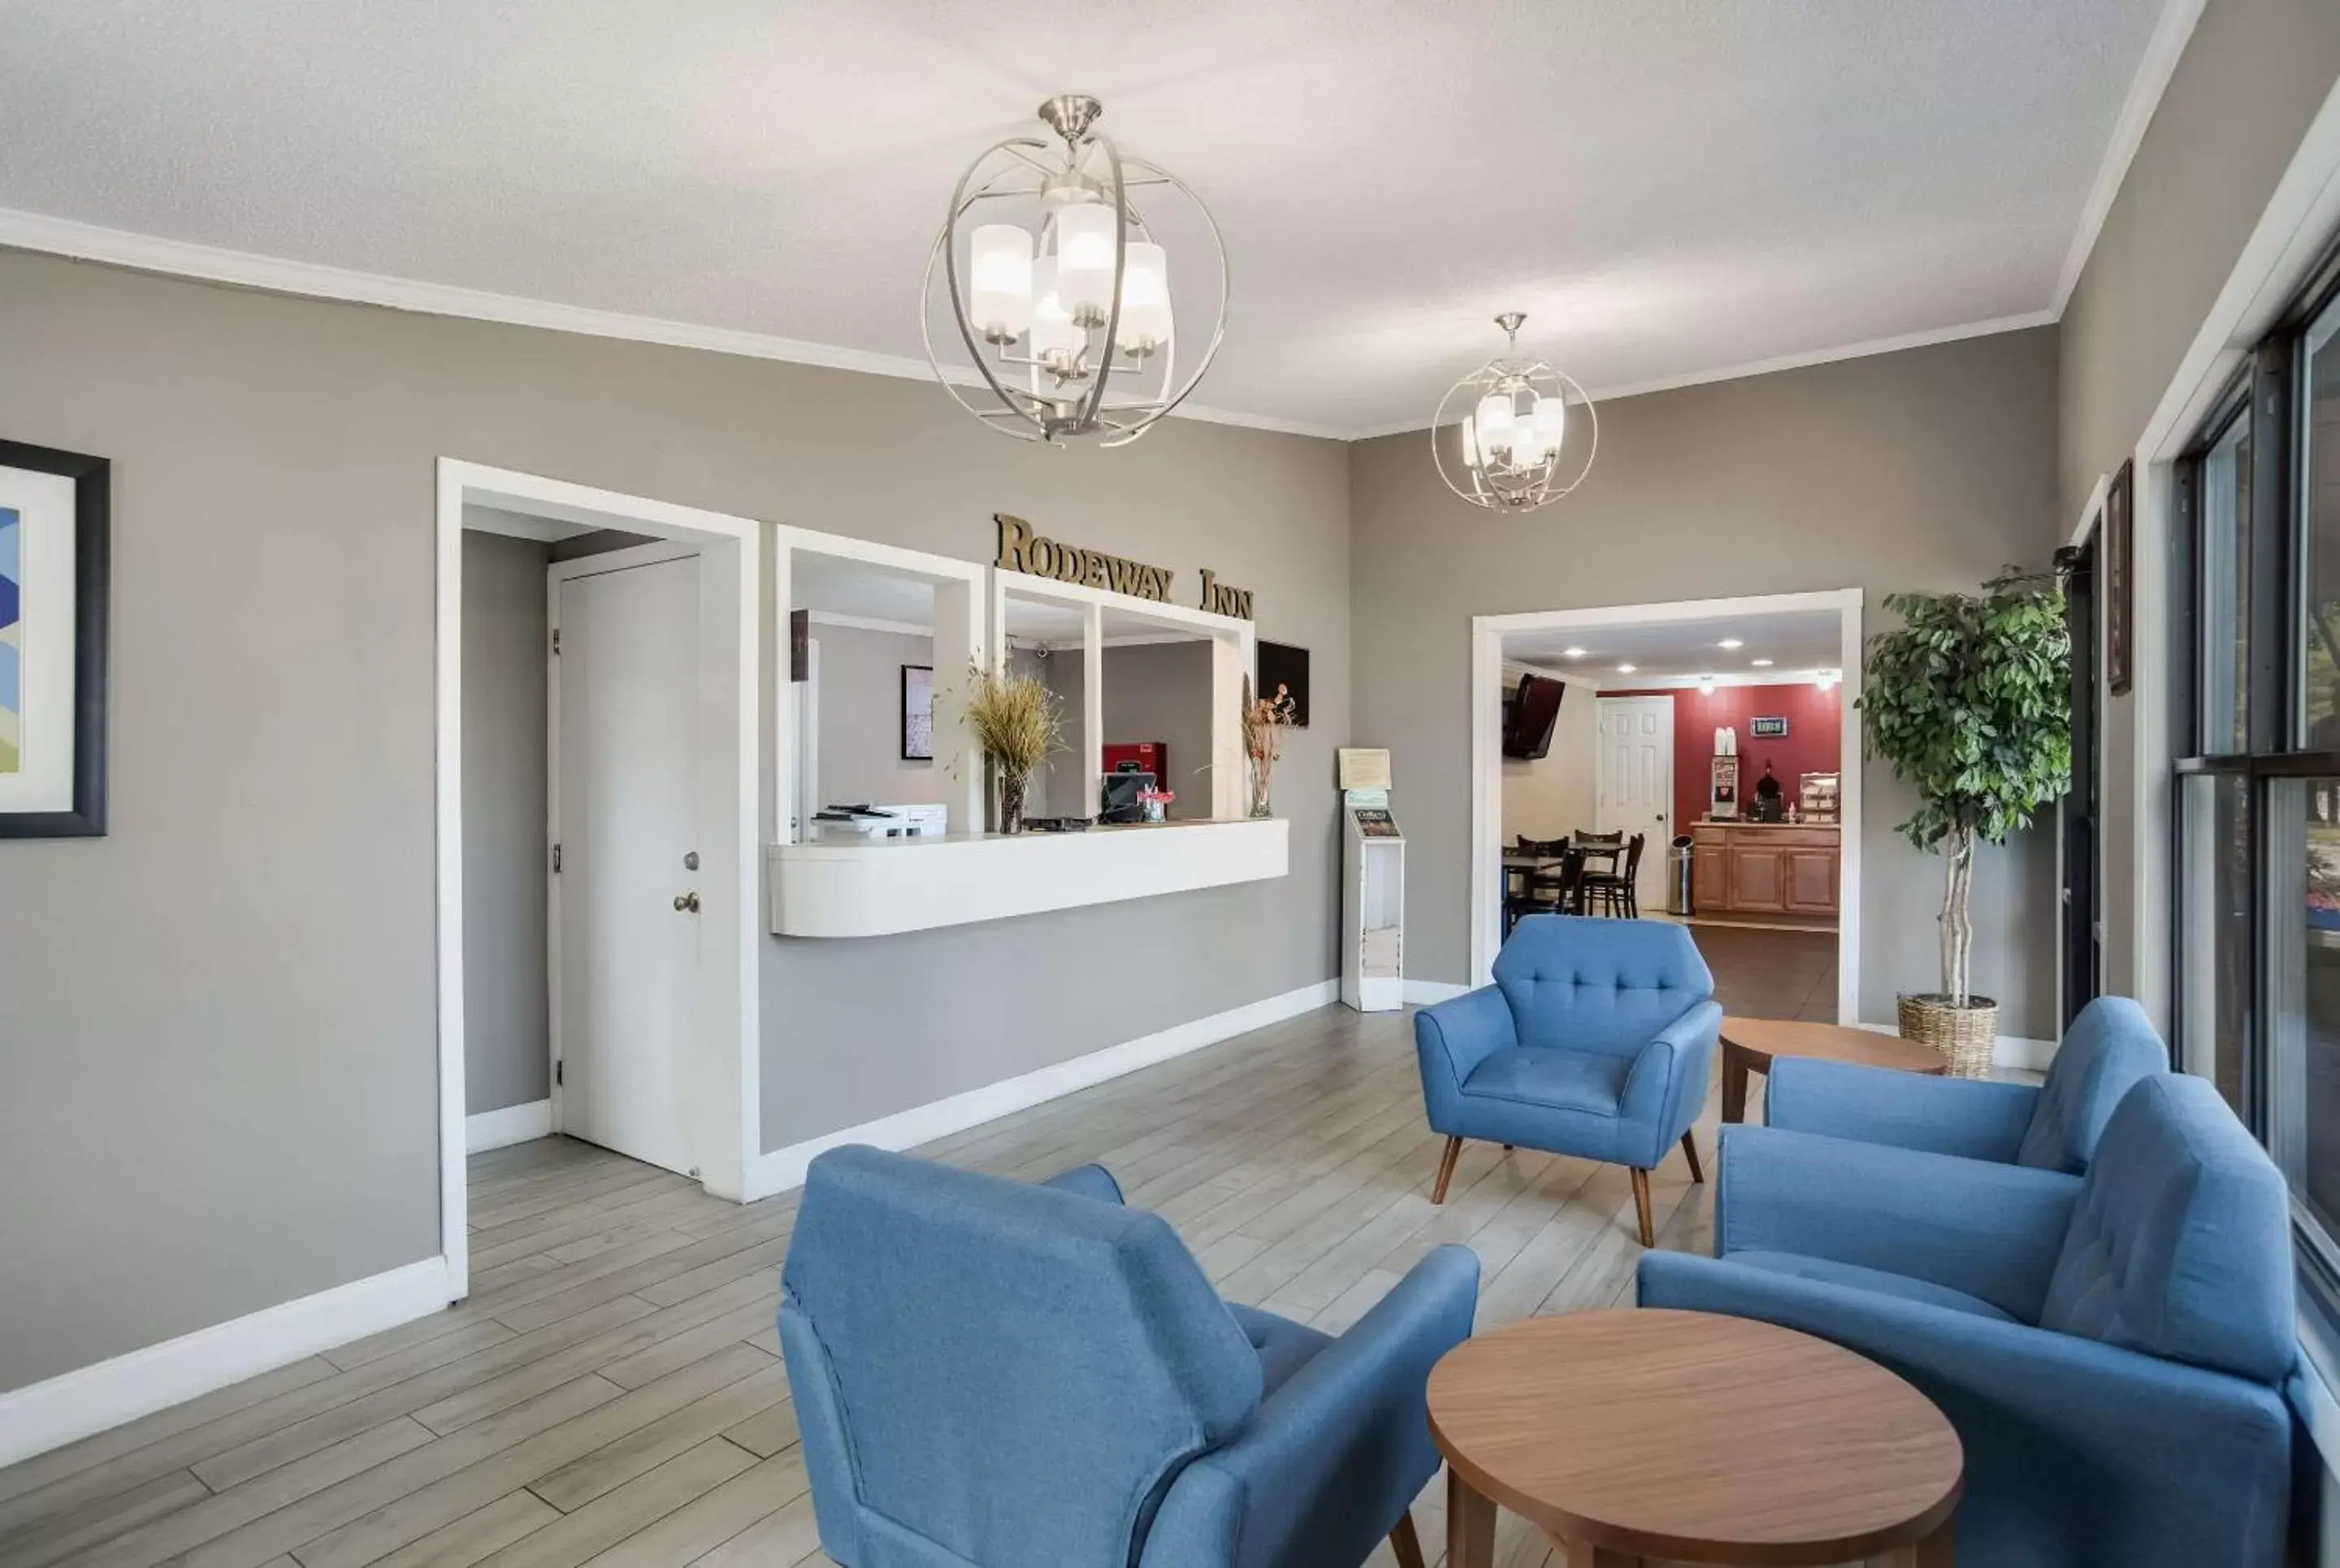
(611, 1393)
(1768, 974)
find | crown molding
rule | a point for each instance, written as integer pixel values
(2163, 50)
(246, 269)
(1797, 361)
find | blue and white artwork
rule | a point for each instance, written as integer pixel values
(11, 642)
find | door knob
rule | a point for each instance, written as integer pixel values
(687, 903)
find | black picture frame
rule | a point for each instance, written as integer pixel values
(1281, 664)
(92, 481)
(2119, 579)
(911, 746)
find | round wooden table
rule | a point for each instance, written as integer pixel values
(1635, 1433)
(1750, 1043)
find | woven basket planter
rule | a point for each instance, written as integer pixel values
(1964, 1036)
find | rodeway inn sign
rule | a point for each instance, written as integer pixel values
(1021, 550)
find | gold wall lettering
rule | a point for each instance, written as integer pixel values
(1021, 550)
(1220, 598)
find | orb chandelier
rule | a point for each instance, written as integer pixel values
(1507, 449)
(1060, 288)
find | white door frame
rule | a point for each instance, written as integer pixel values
(557, 573)
(727, 1134)
(1600, 822)
(1486, 871)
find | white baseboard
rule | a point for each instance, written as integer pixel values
(1429, 993)
(781, 1169)
(512, 1125)
(74, 1405)
(2007, 1051)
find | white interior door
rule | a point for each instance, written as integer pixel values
(1635, 783)
(625, 801)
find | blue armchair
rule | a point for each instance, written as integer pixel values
(988, 1375)
(2052, 1127)
(1594, 1040)
(2112, 1348)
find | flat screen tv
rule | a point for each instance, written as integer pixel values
(1529, 717)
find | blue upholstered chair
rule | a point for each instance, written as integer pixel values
(988, 1375)
(1594, 1040)
(2053, 1126)
(2112, 1348)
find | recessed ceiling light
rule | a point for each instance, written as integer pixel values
(1572, 654)
(1730, 642)
(1625, 669)
(1760, 663)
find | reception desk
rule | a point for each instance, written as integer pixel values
(1785, 871)
(886, 886)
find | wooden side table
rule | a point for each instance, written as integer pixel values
(1750, 1043)
(1634, 1434)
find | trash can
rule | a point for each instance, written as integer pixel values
(1678, 873)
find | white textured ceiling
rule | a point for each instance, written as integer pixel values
(1669, 188)
(1797, 644)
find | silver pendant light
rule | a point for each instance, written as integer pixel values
(1059, 286)
(1504, 435)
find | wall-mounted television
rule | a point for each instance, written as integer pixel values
(1529, 717)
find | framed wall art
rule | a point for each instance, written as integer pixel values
(1283, 671)
(918, 713)
(55, 527)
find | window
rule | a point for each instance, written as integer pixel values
(2255, 575)
(2225, 618)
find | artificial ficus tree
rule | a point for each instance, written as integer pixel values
(1970, 701)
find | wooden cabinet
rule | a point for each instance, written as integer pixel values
(1764, 869)
(1756, 885)
(1809, 880)
(1710, 876)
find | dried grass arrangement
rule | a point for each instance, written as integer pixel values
(1015, 723)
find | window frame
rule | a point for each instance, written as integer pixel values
(2270, 393)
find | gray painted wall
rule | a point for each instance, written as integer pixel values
(860, 719)
(218, 1087)
(1927, 469)
(2252, 78)
(507, 1021)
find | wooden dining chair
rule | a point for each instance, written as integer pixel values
(1617, 890)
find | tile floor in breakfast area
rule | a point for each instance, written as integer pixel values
(611, 1393)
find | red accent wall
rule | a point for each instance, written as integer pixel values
(1813, 745)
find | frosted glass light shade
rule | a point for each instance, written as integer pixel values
(1085, 241)
(999, 284)
(1527, 444)
(1053, 330)
(1145, 298)
(1551, 421)
(1470, 442)
(1496, 422)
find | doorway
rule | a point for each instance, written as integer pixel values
(649, 751)
(2081, 949)
(1635, 791)
(1788, 660)
(623, 811)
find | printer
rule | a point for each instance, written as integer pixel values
(869, 821)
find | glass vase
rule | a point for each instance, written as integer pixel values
(1262, 775)
(1011, 803)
